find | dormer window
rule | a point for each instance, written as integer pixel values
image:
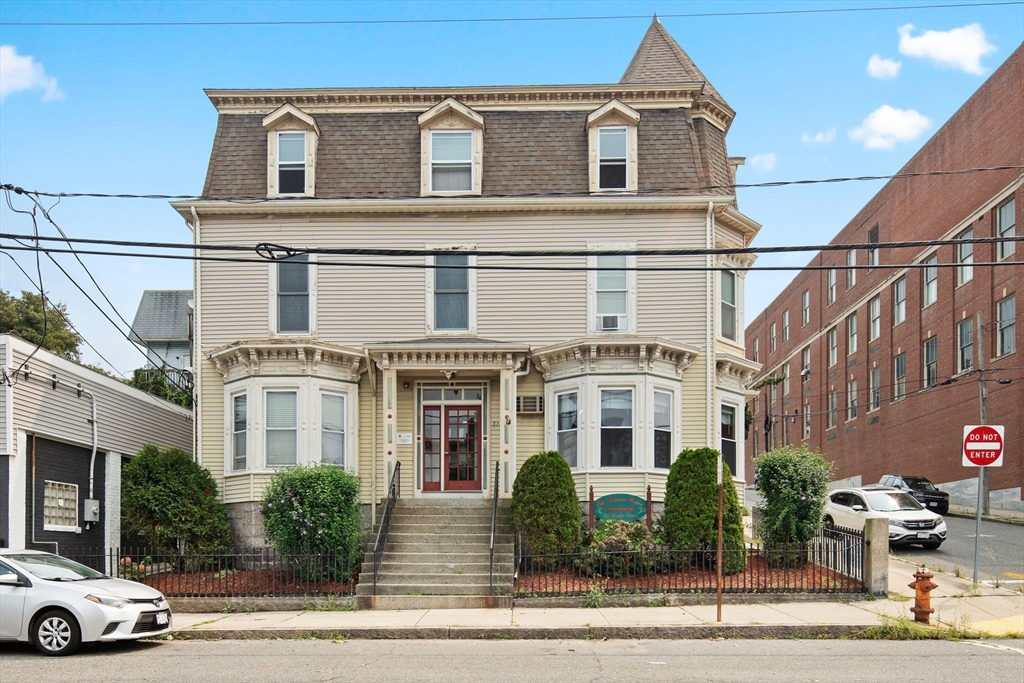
(612, 142)
(292, 137)
(451, 150)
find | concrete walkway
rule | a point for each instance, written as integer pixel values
(997, 611)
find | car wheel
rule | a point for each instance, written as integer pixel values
(931, 545)
(56, 633)
(828, 521)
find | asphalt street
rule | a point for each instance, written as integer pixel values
(1001, 554)
(483, 661)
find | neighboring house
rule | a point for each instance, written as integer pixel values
(48, 474)
(443, 364)
(163, 326)
(881, 363)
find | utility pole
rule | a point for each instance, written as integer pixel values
(983, 484)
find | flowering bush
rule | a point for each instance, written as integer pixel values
(127, 569)
(619, 549)
(793, 482)
(315, 511)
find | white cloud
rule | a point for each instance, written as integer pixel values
(886, 126)
(959, 48)
(22, 72)
(822, 138)
(762, 163)
(883, 68)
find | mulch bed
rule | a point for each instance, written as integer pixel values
(243, 582)
(757, 577)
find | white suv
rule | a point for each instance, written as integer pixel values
(909, 522)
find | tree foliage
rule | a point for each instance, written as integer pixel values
(545, 508)
(23, 316)
(793, 480)
(315, 509)
(171, 502)
(690, 521)
(156, 383)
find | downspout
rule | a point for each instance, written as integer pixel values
(92, 458)
(710, 338)
(196, 345)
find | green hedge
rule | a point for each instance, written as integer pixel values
(545, 508)
(793, 480)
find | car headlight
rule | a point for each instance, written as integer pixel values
(897, 522)
(108, 600)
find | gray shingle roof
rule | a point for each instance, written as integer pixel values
(659, 59)
(162, 316)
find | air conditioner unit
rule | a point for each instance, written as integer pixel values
(610, 322)
(529, 404)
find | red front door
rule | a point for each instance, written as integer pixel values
(451, 448)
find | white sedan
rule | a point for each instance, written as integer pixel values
(909, 522)
(58, 604)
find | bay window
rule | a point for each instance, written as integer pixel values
(281, 433)
(239, 432)
(332, 428)
(662, 429)
(567, 427)
(616, 427)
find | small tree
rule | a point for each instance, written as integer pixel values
(171, 501)
(545, 508)
(313, 510)
(29, 315)
(690, 521)
(793, 480)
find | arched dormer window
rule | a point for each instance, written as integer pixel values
(292, 137)
(612, 148)
(451, 150)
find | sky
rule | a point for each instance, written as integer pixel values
(121, 109)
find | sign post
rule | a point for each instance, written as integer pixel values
(982, 447)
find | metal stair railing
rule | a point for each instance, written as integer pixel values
(494, 519)
(394, 493)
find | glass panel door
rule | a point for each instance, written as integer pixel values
(431, 448)
(462, 449)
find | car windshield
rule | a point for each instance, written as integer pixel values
(892, 502)
(54, 567)
(919, 484)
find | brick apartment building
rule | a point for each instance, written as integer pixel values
(881, 363)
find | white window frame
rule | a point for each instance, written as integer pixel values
(461, 162)
(807, 421)
(611, 115)
(450, 116)
(1006, 328)
(290, 119)
(851, 334)
(785, 326)
(874, 389)
(624, 160)
(832, 337)
(58, 492)
(292, 165)
(965, 345)
(632, 428)
(899, 298)
(873, 252)
(655, 428)
(805, 307)
(734, 305)
(930, 281)
(593, 326)
(833, 409)
(1006, 220)
(737, 426)
(233, 433)
(577, 456)
(851, 273)
(899, 377)
(273, 303)
(466, 250)
(875, 318)
(343, 431)
(771, 338)
(785, 380)
(965, 257)
(757, 350)
(805, 364)
(933, 379)
(851, 400)
(831, 287)
(298, 420)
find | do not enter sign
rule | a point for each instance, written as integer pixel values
(983, 445)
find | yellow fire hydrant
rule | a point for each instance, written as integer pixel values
(922, 586)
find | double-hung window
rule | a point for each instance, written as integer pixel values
(931, 280)
(785, 379)
(239, 432)
(851, 400)
(1006, 323)
(451, 292)
(965, 257)
(291, 162)
(931, 362)
(611, 293)
(757, 351)
(807, 420)
(833, 407)
(831, 293)
(805, 364)
(616, 427)
(875, 314)
(873, 251)
(1005, 221)
(567, 427)
(662, 429)
(965, 342)
(730, 324)
(451, 161)
(728, 442)
(332, 428)
(805, 307)
(281, 418)
(293, 294)
(874, 389)
(851, 334)
(833, 347)
(899, 377)
(771, 338)
(851, 272)
(899, 301)
(785, 326)
(612, 146)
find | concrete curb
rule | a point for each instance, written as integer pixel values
(704, 632)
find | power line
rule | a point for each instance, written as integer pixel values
(262, 199)
(498, 20)
(42, 293)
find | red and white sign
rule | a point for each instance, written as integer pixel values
(983, 445)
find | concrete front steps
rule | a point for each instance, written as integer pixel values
(438, 557)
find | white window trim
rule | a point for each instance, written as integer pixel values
(673, 449)
(635, 456)
(320, 429)
(851, 334)
(472, 167)
(852, 404)
(1000, 352)
(613, 114)
(965, 267)
(899, 382)
(74, 528)
(467, 249)
(933, 257)
(739, 282)
(298, 424)
(290, 119)
(579, 427)
(874, 318)
(272, 277)
(830, 287)
(785, 326)
(229, 420)
(592, 327)
(1005, 250)
(874, 387)
(851, 273)
(832, 344)
(805, 308)
(739, 415)
(450, 116)
(899, 306)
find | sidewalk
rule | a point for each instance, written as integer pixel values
(997, 611)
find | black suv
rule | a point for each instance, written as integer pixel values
(920, 488)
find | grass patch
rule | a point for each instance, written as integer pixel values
(902, 628)
(897, 597)
(333, 603)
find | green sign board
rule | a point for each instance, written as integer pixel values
(620, 507)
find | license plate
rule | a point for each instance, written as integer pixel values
(922, 534)
(934, 505)
(162, 617)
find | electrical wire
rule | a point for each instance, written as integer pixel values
(500, 20)
(13, 379)
(262, 199)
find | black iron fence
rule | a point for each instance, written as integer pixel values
(236, 573)
(832, 562)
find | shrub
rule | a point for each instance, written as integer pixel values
(690, 521)
(315, 510)
(619, 549)
(171, 501)
(793, 480)
(545, 508)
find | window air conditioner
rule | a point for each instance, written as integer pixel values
(608, 322)
(529, 404)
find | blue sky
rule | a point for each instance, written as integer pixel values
(122, 109)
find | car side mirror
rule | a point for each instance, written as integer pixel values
(857, 508)
(9, 579)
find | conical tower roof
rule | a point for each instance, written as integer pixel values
(659, 59)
